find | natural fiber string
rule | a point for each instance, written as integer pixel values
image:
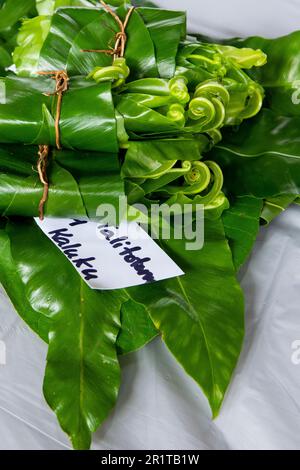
(42, 171)
(121, 36)
(62, 83)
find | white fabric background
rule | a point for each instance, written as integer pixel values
(159, 406)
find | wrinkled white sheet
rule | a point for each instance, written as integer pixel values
(159, 406)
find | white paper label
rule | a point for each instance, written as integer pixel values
(110, 257)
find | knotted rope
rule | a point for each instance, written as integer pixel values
(62, 83)
(42, 171)
(120, 37)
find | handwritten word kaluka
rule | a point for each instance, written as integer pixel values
(62, 238)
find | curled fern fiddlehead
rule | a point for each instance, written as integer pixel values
(216, 182)
(197, 179)
(202, 180)
(254, 103)
(178, 89)
(204, 177)
(208, 107)
(116, 73)
(176, 113)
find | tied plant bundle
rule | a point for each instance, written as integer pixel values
(105, 100)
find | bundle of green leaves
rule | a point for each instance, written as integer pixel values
(178, 120)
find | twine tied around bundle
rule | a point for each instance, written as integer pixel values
(42, 171)
(120, 37)
(62, 83)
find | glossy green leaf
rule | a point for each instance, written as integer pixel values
(154, 106)
(245, 57)
(79, 182)
(297, 201)
(141, 61)
(12, 11)
(200, 315)
(11, 281)
(281, 75)
(9, 36)
(97, 176)
(261, 158)
(171, 170)
(166, 30)
(87, 119)
(241, 224)
(76, 30)
(152, 158)
(91, 115)
(144, 3)
(31, 37)
(5, 58)
(222, 67)
(47, 7)
(274, 206)
(141, 119)
(137, 327)
(82, 374)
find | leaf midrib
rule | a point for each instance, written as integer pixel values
(255, 155)
(203, 333)
(81, 349)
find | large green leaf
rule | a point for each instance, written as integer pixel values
(5, 58)
(82, 374)
(97, 176)
(11, 281)
(262, 158)
(166, 29)
(274, 206)
(144, 3)
(87, 119)
(12, 11)
(201, 314)
(151, 158)
(47, 7)
(141, 119)
(79, 182)
(60, 50)
(170, 169)
(137, 327)
(281, 75)
(31, 37)
(241, 224)
(75, 30)
(21, 190)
